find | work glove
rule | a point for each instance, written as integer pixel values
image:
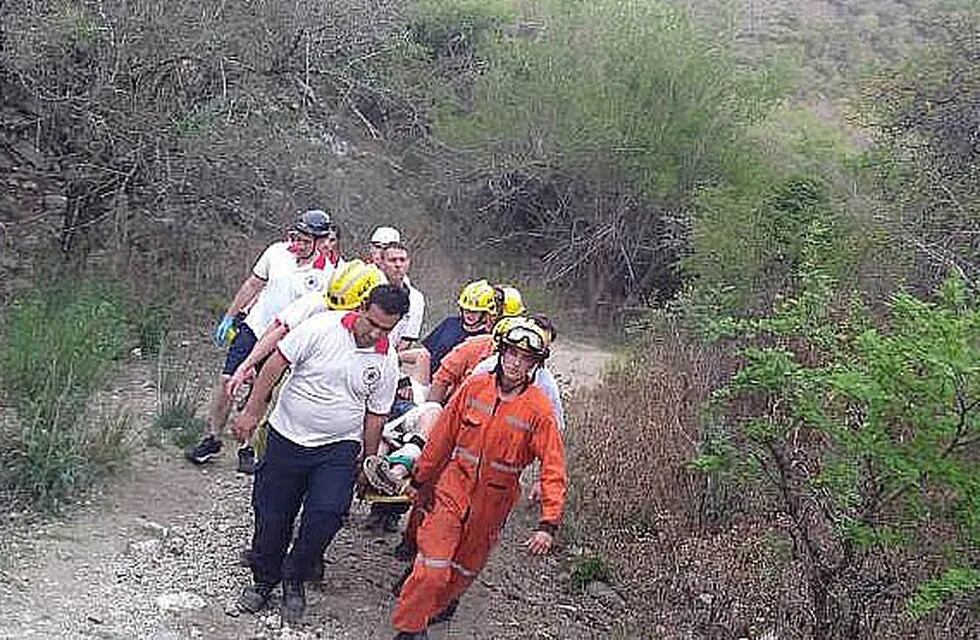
(222, 334)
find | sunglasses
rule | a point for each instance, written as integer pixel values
(296, 236)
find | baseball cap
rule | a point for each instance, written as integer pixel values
(385, 235)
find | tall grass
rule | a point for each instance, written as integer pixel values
(58, 346)
(178, 401)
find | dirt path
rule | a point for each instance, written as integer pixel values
(155, 556)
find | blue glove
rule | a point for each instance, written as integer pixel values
(223, 331)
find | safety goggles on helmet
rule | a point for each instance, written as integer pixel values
(524, 334)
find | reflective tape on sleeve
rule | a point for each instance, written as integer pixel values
(506, 468)
(518, 423)
(466, 454)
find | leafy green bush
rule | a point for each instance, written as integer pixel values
(58, 347)
(864, 430)
(594, 125)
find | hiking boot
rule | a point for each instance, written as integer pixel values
(203, 451)
(246, 460)
(409, 635)
(255, 596)
(293, 601)
(446, 614)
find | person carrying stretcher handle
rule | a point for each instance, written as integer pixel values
(496, 424)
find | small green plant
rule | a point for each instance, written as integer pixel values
(442, 26)
(178, 401)
(588, 569)
(935, 593)
(150, 324)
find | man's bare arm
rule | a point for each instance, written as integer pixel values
(373, 423)
(249, 289)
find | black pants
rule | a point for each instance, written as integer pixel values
(318, 479)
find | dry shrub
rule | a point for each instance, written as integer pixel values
(632, 438)
(685, 564)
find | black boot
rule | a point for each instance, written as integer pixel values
(255, 596)
(408, 635)
(293, 601)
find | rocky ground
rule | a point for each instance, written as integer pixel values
(155, 555)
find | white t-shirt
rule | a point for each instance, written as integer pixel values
(332, 382)
(304, 307)
(542, 379)
(284, 282)
(410, 326)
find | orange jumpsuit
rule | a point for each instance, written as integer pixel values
(456, 367)
(460, 362)
(475, 454)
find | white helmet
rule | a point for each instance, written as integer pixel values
(385, 236)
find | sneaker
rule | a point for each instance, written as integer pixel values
(409, 635)
(255, 596)
(206, 449)
(246, 460)
(376, 469)
(446, 614)
(293, 601)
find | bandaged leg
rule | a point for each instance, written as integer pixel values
(406, 436)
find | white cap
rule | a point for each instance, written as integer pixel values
(385, 235)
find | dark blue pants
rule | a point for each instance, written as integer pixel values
(318, 479)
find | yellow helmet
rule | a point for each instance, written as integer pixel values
(523, 333)
(501, 327)
(351, 285)
(478, 296)
(513, 302)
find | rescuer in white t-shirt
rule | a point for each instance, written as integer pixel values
(331, 408)
(284, 272)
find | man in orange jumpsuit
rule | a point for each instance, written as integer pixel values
(496, 424)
